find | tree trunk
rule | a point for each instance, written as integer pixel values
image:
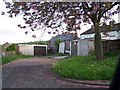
(98, 43)
(76, 35)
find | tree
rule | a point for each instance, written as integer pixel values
(12, 47)
(43, 15)
(56, 43)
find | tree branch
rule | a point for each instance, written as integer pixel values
(84, 9)
(101, 14)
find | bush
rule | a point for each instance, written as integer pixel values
(59, 54)
(92, 53)
(106, 53)
(11, 47)
(111, 54)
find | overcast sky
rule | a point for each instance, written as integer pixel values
(9, 32)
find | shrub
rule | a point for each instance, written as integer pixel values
(111, 53)
(106, 53)
(11, 47)
(92, 53)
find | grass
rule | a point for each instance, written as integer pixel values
(85, 68)
(11, 58)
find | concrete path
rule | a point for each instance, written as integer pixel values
(34, 73)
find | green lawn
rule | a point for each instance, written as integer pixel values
(11, 58)
(85, 68)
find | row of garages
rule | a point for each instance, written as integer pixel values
(80, 47)
(75, 47)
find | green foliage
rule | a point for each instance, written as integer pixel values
(37, 42)
(92, 53)
(56, 43)
(11, 58)
(59, 54)
(0, 47)
(106, 53)
(111, 54)
(11, 47)
(85, 68)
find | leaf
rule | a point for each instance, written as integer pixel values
(25, 18)
(33, 13)
(26, 32)
(54, 32)
(49, 32)
(29, 22)
(78, 27)
(11, 15)
(27, 14)
(34, 36)
(24, 27)
(35, 26)
(32, 29)
(3, 13)
(108, 5)
(19, 25)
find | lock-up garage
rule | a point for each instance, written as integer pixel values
(35, 50)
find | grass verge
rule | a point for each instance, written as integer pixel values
(11, 58)
(85, 68)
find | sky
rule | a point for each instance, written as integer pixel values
(10, 32)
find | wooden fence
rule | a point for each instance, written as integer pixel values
(111, 45)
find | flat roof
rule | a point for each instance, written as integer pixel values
(31, 45)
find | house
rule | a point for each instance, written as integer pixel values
(5, 45)
(111, 41)
(37, 50)
(7, 52)
(112, 34)
(63, 38)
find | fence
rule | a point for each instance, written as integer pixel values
(111, 45)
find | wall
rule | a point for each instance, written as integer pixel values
(119, 34)
(74, 47)
(87, 36)
(79, 47)
(26, 49)
(61, 47)
(91, 45)
(83, 48)
(113, 35)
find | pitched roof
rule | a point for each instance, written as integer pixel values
(115, 27)
(64, 37)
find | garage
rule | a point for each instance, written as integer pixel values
(39, 50)
(34, 50)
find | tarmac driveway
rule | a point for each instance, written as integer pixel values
(34, 73)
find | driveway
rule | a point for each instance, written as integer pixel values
(34, 73)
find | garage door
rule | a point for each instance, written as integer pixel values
(74, 48)
(39, 51)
